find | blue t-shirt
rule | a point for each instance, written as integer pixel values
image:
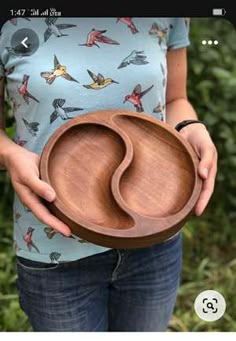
(65, 77)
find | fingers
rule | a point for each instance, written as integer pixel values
(30, 200)
(207, 190)
(208, 158)
(41, 188)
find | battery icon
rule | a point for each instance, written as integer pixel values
(219, 11)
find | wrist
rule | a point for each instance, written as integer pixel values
(184, 123)
(7, 153)
(191, 129)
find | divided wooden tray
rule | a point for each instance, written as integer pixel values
(122, 179)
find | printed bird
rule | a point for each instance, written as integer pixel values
(135, 58)
(99, 82)
(26, 209)
(23, 90)
(162, 69)
(55, 29)
(50, 233)
(15, 105)
(21, 143)
(129, 22)
(159, 109)
(58, 71)
(95, 36)
(186, 21)
(164, 75)
(60, 111)
(135, 97)
(160, 33)
(28, 239)
(17, 216)
(54, 256)
(16, 246)
(13, 21)
(19, 50)
(32, 127)
(9, 71)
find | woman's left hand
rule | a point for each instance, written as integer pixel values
(197, 135)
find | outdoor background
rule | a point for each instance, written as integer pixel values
(209, 257)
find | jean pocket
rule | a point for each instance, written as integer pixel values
(32, 265)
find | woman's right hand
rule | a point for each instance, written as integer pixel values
(23, 168)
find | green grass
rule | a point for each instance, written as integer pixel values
(206, 266)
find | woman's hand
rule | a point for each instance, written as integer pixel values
(197, 135)
(23, 168)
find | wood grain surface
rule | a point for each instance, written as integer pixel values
(122, 179)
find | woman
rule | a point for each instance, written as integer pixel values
(67, 284)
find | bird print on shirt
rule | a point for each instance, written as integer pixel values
(16, 246)
(23, 90)
(29, 241)
(15, 105)
(26, 209)
(17, 216)
(55, 29)
(58, 71)
(19, 50)
(13, 21)
(135, 58)
(21, 143)
(164, 75)
(54, 256)
(129, 22)
(99, 81)
(61, 112)
(135, 97)
(96, 36)
(159, 109)
(50, 233)
(9, 71)
(32, 127)
(159, 32)
(111, 71)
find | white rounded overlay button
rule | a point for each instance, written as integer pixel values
(24, 42)
(210, 305)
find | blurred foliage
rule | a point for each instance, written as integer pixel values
(209, 260)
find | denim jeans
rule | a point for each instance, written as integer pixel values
(117, 290)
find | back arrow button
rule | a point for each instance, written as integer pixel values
(23, 42)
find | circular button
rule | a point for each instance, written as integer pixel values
(24, 42)
(210, 305)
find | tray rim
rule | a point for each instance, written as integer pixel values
(148, 222)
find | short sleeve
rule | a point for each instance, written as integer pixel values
(179, 34)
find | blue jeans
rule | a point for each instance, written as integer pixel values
(117, 290)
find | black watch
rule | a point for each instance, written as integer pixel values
(184, 123)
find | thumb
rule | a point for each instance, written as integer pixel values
(41, 188)
(206, 156)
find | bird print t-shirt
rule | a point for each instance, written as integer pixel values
(75, 66)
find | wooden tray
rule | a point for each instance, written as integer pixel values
(122, 179)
